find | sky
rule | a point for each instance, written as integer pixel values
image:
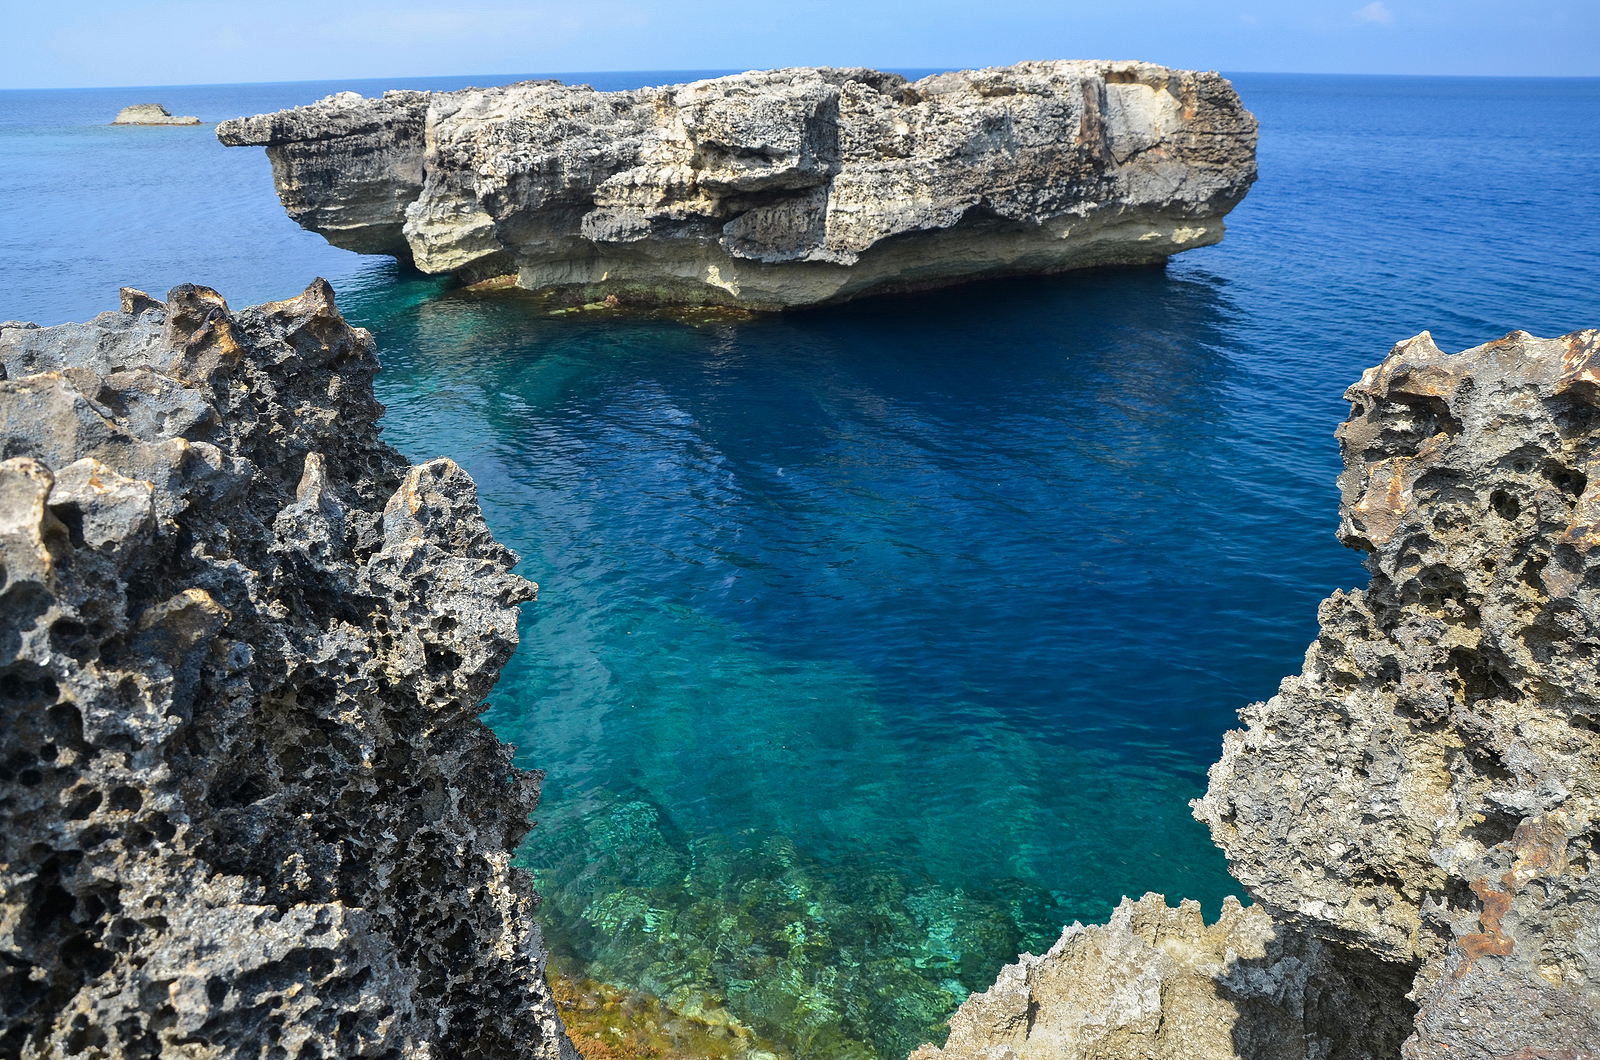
(93, 43)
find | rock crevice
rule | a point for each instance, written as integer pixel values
(775, 188)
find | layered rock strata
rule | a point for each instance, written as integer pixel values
(771, 189)
(246, 805)
(1420, 806)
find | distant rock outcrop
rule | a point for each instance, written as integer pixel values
(151, 114)
(246, 804)
(772, 189)
(1418, 812)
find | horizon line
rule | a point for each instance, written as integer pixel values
(512, 78)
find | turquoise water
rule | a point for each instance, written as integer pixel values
(876, 643)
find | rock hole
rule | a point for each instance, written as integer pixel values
(126, 798)
(440, 661)
(71, 517)
(72, 638)
(83, 806)
(1567, 480)
(1476, 677)
(1505, 505)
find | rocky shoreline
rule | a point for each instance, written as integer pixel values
(1417, 813)
(247, 798)
(771, 189)
(248, 807)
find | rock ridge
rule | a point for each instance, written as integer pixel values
(1417, 813)
(246, 803)
(771, 188)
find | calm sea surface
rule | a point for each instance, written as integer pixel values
(876, 643)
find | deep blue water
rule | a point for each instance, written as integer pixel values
(876, 643)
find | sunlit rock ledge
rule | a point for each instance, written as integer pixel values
(771, 189)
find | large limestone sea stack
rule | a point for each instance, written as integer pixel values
(771, 189)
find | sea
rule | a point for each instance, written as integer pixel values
(877, 643)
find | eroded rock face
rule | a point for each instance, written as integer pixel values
(1158, 983)
(1418, 812)
(1427, 789)
(776, 188)
(246, 806)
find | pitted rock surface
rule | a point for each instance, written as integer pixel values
(1428, 788)
(775, 188)
(1417, 814)
(246, 806)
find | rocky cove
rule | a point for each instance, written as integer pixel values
(1297, 969)
(248, 801)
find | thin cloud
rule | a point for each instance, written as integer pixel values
(1378, 12)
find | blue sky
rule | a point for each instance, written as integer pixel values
(129, 42)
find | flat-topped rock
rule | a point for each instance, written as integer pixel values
(771, 189)
(151, 114)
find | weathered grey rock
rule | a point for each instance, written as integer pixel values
(151, 114)
(1158, 983)
(1428, 789)
(1418, 812)
(775, 188)
(246, 806)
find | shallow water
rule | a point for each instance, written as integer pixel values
(876, 643)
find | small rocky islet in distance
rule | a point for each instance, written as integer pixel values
(151, 114)
(246, 797)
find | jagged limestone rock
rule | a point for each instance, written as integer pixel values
(1428, 788)
(771, 189)
(1158, 983)
(1418, 812)
(151, 114)
(246, 806)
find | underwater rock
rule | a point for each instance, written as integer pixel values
(771, 189)
(246, 803)
(151, 114)
(1423, 801)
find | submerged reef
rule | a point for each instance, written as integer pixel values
(1416, 814)
(771, 189)
(247, 807)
